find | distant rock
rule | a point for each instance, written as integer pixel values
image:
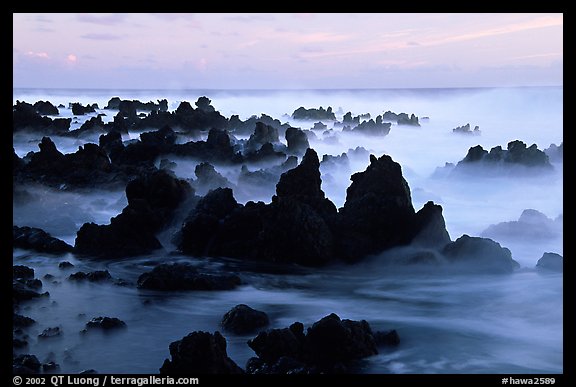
(555, 152)
(46, 108)
(371, 127)
(465, 129)
(551, 262)
(313, 114)
(262, 134)
(401, 118)
(79, 110)
(199, 353)
(517, 154)
(532, 225)
(297, 141)
(242, 319)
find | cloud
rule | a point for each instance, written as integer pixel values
(540, 22)
(251, 17)
(322, 37)
(40, 55)
(173, 16)
(304, 16)
(102, 19)
(101, 36)
(71, 58)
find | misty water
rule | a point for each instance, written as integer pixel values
(447, 322)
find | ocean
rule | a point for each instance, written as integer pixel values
(458, 323)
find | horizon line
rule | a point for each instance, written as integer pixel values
(278, 89)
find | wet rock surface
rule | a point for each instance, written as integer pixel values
(242, 319)
(180, 276)
(200, 353)
(330, 345)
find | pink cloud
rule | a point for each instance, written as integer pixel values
(41, 55)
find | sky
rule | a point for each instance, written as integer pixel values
(286, 50)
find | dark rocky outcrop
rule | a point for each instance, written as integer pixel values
(49, 333)
(371, 127)
(25, 364)
(86, 168)
(31, 238)
(22, 272)
(551, 262)
(46, 108)
(199, 353)
(79, 110)
(330, 345)
(237, 126)
(302, 226)
(242, 319)
(378, 212)
(265, 154)
(430, 227)
(313, 114)
(217, 149)
(105, 323)
(517, 154)
(208, 179)
(262, 134)
(116, 103)
(479, 255)
(297, 141)
(465, 129)
(25, 117)
(387, 338)
(152, 200)
(93, 276)
(181, 276)
(401, 118)
(293, 228)
(24, 285)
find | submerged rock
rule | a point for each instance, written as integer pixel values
(181, 276)
(105, 323)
